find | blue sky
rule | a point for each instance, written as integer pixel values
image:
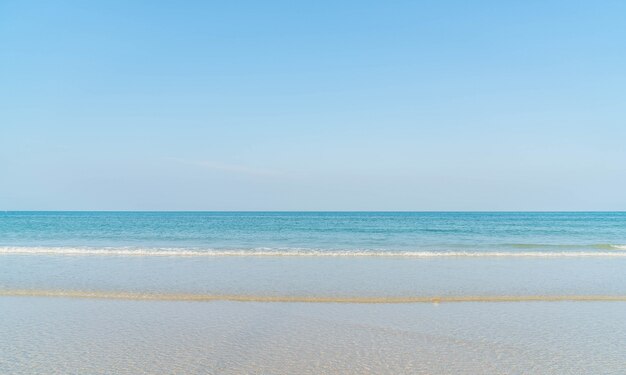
(317, 105)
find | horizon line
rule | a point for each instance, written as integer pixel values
(334, 211)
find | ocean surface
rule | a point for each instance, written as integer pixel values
(309, 233)
(357, 256)
(313, 292)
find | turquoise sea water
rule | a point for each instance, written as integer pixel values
(320, 232)
(362, 256)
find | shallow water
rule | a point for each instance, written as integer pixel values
(48, 336)
(315, 278)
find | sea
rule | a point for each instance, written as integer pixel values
(313, 292)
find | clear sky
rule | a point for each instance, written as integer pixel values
(312, 105)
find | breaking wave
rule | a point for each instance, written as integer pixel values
(296, 252)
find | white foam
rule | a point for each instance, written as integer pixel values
(265, 252)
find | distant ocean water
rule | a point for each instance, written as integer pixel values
(315, 256)
(315, 233)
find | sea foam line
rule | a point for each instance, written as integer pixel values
(305, 299)
(153, 252)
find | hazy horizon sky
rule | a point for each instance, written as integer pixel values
(325, 105)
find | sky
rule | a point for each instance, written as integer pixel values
(312, 105)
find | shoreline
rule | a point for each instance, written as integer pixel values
(172, 297)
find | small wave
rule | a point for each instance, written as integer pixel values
(264, 252)
(600, 246)
(305, 299)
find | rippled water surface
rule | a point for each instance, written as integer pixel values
(60, 336)
(291, 232)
